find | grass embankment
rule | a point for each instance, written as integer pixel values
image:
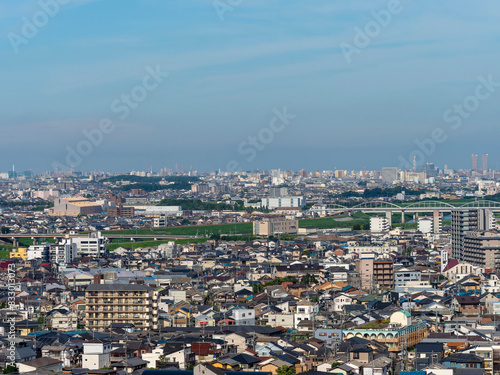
(332, 222)
(5, 251)
(192, 230)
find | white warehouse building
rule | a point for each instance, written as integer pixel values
(278, 202)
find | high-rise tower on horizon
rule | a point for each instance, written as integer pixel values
(475, 165)
(484, 161)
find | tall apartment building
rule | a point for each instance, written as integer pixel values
(375, 273)
(484, 160)
(430, 224)
(278, 191)
(475, 165)
(364, 267)
(465, 220)
(200, 188)
(39, 252)
(160, 221)
(383, 273)
(482, 249)
(271, 227)
(121, 211)
(120, 303)
(379, 224)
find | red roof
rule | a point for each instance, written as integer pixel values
(467, 300)
(201, 348)
(451, 263)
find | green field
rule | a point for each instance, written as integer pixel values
(330, 222)
(406, 225)
(5, 249)
(134, 245)
(201, 230)
(25, 241)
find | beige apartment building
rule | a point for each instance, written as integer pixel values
(271, 227)
(376, 273)
(120, 303)
(482, 249)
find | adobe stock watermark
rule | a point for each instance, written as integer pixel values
(454, 116)
(12, 287)
(31, 25)
(265, 136)
(122, 107)
(223, 6)
(372, 29)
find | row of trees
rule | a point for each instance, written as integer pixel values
(306, 279)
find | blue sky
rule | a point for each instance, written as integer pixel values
(226, 77)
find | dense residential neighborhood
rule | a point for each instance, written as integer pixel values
(274, 272)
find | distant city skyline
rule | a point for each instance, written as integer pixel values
(179, 82)
(180, 168)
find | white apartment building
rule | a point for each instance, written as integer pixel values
(379, 224)
(305, 311)
(160, 221)
(96, 354)
(280, 320)
(94, 245)
(243, 317)
(404, 275)
(62, 253)
(39, 251)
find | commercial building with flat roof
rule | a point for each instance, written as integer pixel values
(74, 206)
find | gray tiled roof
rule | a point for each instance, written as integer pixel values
(118, 288)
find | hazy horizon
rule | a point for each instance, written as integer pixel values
(363, 84)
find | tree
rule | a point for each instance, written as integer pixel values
(5, 230)
(10, 370)
(286, 370)
(409, 250)
(356, 227)
(308, 279)
(257, 288)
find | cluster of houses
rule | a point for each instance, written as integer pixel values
(323, 304)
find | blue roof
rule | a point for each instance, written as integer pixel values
(76, 332)
(38, 333)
